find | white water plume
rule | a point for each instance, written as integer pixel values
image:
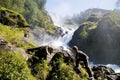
(61, 41)
(115, 67)
(65, 35)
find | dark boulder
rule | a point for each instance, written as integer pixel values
(59, 32)
(115, 76)
(12, 18)
(57, 60)
(65, 56)
(45, 52)
(102, 72)
(39, 53)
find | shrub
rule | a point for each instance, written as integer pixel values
(13, 67)
(41, 70)
(11, 33)
(63, 71)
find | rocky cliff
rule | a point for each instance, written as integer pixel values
(100, 38)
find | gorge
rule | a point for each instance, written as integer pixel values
(34, 43)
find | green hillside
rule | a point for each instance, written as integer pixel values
(15, 18)
(33, 11)
(100, 38)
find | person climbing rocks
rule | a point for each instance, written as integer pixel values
(81, 56)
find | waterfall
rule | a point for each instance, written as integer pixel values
(61, 42)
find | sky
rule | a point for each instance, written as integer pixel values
(69, 7)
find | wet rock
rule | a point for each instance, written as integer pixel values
(48, 53)
(102, 72)
(39, 53)
(59, 32)
(115, 76)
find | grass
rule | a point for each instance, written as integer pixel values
(13, 66)
(15, 36)
(10, 33)
(87, 27)
(42, 70)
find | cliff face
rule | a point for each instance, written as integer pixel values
(100, 40)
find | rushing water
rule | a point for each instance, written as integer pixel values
(116, 68)
(61, 42)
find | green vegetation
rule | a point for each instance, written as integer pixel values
(12, 18)
(100, 38)
(33, 11)
(14, 67)
(24, 44)
(114, 18)
(11, 34)
(15, 36)
(94, 17)
(86, 28)
(41, 70)
(12, 28)
(65, 71)
(55, 70)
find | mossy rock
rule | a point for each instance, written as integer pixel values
(102, 41)
(85, 28)
(12, 18)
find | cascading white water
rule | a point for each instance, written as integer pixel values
(61, 42)
(114, 67)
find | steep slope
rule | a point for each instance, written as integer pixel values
(13, 65)
(33, 11)
(101, 41)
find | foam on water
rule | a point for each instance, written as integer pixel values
(116, 68)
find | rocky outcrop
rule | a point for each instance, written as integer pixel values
(11, 18)
(39, 53)
(103, 72)
(64, 54)
(115, 76)
(42, 52)
(101, 40)
(48, 53)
